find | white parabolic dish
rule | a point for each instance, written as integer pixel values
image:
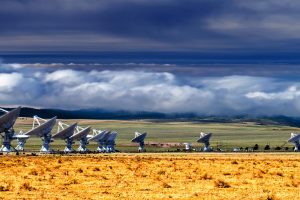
(65, 133)
(8, 119)
(204, 137)
(102, 136)
(294, 138)
(139, 138)
(112, 137)
(81, 134)
(43, 129)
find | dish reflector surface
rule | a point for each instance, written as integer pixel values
(204, 137)
(43, 129)
(139, 137)
(81, 134)
(294, 138)
(102, 136)
(65, 133)
(8, 119)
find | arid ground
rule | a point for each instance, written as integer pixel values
(151, 176)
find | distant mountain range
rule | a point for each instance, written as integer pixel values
(155, 116)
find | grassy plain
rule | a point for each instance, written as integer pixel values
(226, 135)
(151, 176)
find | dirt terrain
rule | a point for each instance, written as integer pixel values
(151, 176)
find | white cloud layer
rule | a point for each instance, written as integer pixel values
(148, 91)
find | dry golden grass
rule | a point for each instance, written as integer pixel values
(151, 176)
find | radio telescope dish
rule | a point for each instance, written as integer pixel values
(139, 138)
(65, 131)
(81, 135)
(188, 146)
(21, 138)
(7, 122)
(204, 138)
(110, 142)
(295, 139)
(100, 137)
(42, 128)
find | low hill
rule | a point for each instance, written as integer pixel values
(155, 116)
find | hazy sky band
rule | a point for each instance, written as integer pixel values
(134, 25)
(284, 72)
(279, 65)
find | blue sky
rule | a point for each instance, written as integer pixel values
(209, 57)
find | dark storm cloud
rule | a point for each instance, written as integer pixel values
(148, 25)
(116, 17)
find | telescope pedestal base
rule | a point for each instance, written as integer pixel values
(45, 149)
(110, 148)
(207, 148)
(141, 147)
(83, 144)
(297, 146)
(101, 147)
(21, 144)
(68, 148)
(5, 148)
(46, 144)
(8, 137)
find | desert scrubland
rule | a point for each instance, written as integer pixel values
(151, 176)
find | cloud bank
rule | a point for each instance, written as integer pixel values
(134, 90)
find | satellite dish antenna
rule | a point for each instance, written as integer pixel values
(110, 142)
(21, 139)
(7, 122)
(188, 146)
(204, 138)
(100, 137)
(295, 139)
(139, 138)
(42, 128)
(65, 132)
(9, 118)
(81, 135)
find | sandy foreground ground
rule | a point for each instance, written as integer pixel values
(151, 176)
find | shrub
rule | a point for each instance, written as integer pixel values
(166, 185)
(33, 172)
(234, 162)
(4, 188)
(96, 169)
(80, 170)
(205, 176)
(221, 184)
(27, 186)
(161, 172)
